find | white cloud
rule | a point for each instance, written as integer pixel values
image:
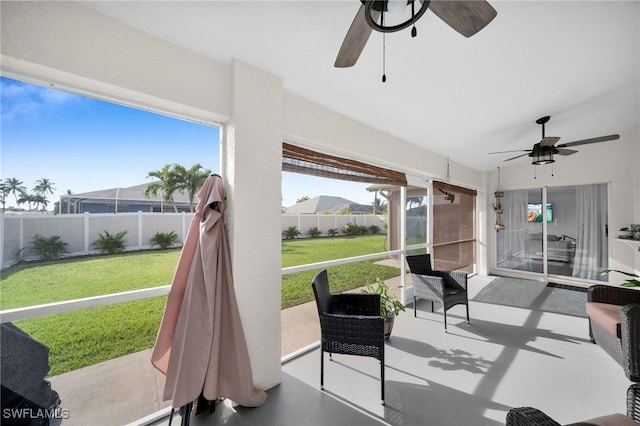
(19, 99)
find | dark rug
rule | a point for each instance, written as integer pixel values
(535, 295)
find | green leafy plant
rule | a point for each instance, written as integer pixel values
(164, 240)
(631, 282)
(352, 229)
(448, 196)
(111, 244)
(374, 229)
(389, 303)
(291, 232)
(332, 232)
(48, 248)
(314, 232)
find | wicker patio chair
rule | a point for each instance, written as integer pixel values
(623, 343)
(529, 416)
(350, 324)
(446, 287)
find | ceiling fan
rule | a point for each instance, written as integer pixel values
(465, 16)
(543, 151)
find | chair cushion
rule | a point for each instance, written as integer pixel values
(610, 420)
(606, 315)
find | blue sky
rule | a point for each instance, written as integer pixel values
(84, 144)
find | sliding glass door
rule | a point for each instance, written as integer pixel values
(559, 231)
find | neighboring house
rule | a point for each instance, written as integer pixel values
(328, 204)
(121, 200)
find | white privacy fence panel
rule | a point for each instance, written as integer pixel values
(324, 222)
(82, 230)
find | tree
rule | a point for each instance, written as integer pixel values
(16, 187)
(166, 185)
(190, 180)
(4, 191)
(301, 199)
(43, 187)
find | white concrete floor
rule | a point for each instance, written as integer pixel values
(506, 357)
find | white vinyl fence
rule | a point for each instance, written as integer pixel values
(80, 231)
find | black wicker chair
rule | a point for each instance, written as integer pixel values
(350, 324)
(447, 288)
(529, 416)
(624, 346)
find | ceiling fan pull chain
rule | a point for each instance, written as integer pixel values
(551, 169)
(534, 171)
(384, 52)
(414, 31)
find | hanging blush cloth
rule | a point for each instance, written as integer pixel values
(201, 346)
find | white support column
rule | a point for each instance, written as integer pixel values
(252, 175)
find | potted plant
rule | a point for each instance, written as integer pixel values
(448, 196)
(631, 282)
(390, 306)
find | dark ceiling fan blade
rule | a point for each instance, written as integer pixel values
(549, 141)
(517, 156)
(465, 16)
(563, 151)
(588, 141)
(355, 40)
(515, 150)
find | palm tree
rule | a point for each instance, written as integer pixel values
(302, 199)
(16, 187)
(166, 185)
(190, 180)
(43, 186)
(26, 199)
(4, 191)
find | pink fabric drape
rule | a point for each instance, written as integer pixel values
(201, 345)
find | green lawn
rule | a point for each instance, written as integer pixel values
(80, 338)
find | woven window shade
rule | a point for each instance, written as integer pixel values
(302, 160)
(452, 188)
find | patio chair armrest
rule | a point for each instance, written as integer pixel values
(355, 304)
(612, 295)
(630, 339)
(459, 277)
(529, 416)
(427, 286)
(356, 329)
(633, 402)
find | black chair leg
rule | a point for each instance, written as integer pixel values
(444, 314)
(467, 312)
(322, 369)
(432, 306)
(415, 307)
(382, 379)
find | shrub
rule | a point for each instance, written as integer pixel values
(314, 232)
(111, 244)
(374, 229)
(291, 232)
(351, 229)
(332, 232)
(48, 248)
(164, 239)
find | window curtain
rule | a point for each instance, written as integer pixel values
(514, 236)
(592, 251)
(301, 160)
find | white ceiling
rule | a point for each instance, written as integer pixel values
(576, 61)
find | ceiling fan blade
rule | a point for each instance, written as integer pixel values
(517, 156)
(516, 150)
(355, 40)
(588, 141)
(549, 141)
(563, 151)
(465, 16)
